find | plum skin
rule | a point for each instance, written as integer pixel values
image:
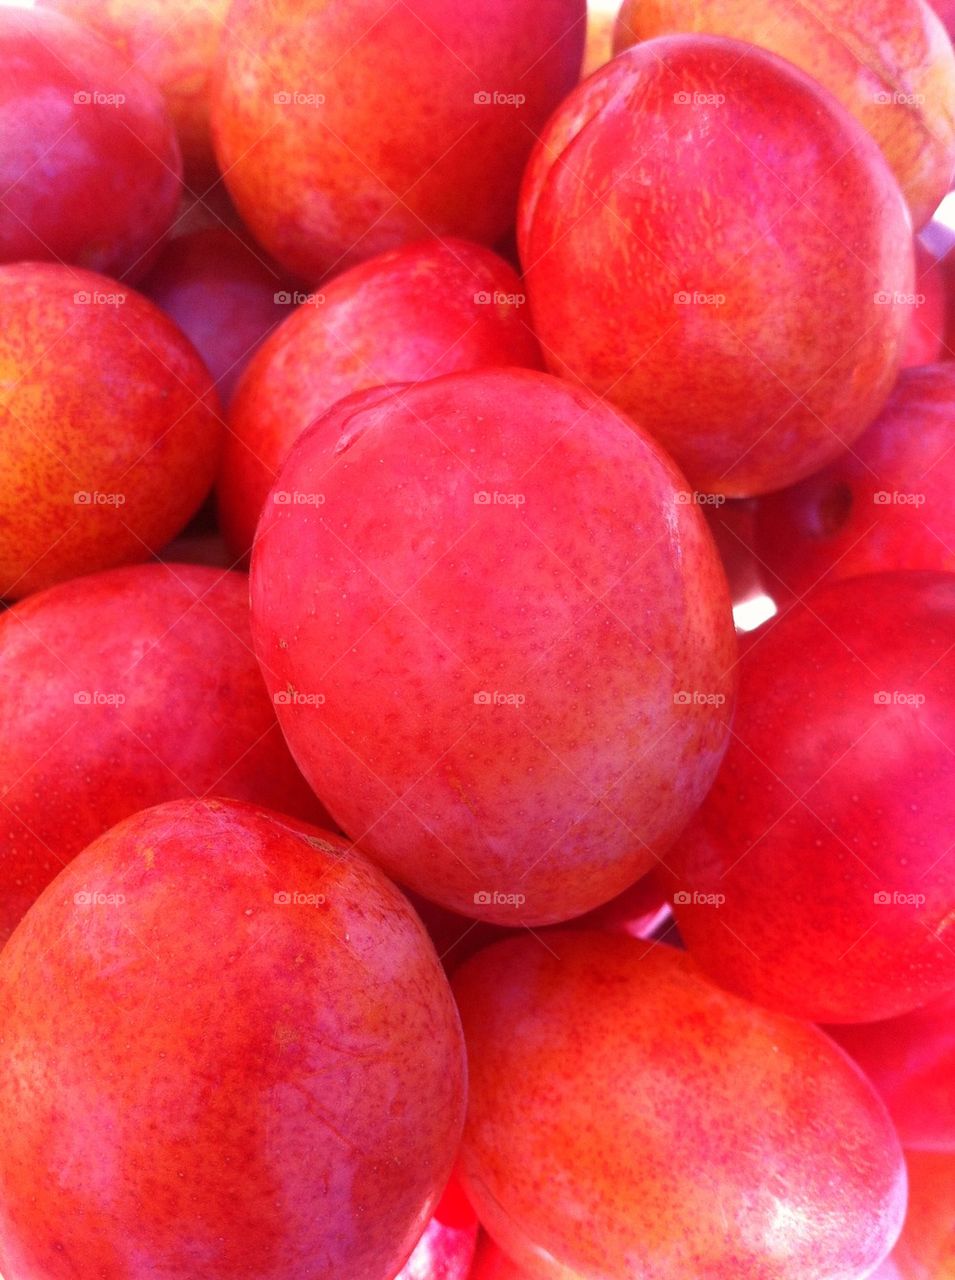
(505, 703)
(124, 689)
(111, 428)
(627, 1117)
(229, 1080)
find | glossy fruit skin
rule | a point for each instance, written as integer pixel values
(491, 1264)
(173, 44)
(888, 62)
(121, 690)
(826, 829)
(650, 1105)
(700, 315)
(111, 429)
(94, 182)
(446, 1250)
(926, 1248)
(886, 504)
(387, 136)
(421, 607)
(429, 308)
(911, 1061)
(229, 1081)
(926, 338)
(224, 295)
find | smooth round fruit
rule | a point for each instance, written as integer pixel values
(430, 308)
(173, 43)
(626, 1117)
(110, 426)
(224, 295)
(689, 215)
(911, 1061)
(227, 1049)
(816, 877)
(504, 636)
(886, 504)
(121, 690)
(90, 168)
(345, 130)
(889, 62)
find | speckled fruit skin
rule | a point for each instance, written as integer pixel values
(404, 609)
(911, 1061)
(223, 294)
(173, 642)
(93, 182)
(345, 130)
(889, 62)
(110, 431)
(626, 1117)
(173, 43)
(886, 504)
(679, 251)
(227, 1084)
(926, 1248)
(427, 309)
(833, 809)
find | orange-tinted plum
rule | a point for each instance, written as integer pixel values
(503, 635)
(232, 1039)
(446, 1250)
(110, 426)
(223, 295)
(345, 130)
(816, 877)
(689, 214)
(911, 1061)
(627, 1118)
(173, 43)
(926, 1248)
(90, 168)
(889, 62)
(430, 308)
(885, 504)
(123, 689)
